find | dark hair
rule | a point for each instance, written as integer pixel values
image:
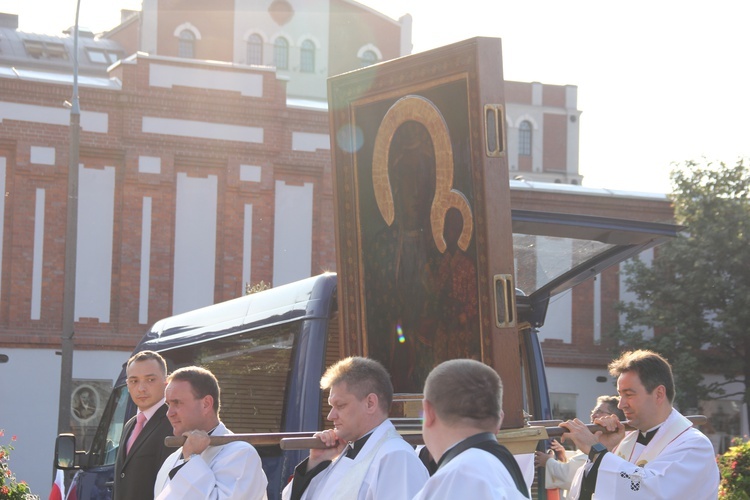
(612, 402)
(465, 389)
(362, 376)
(652, 369)
(202, 381)
(145, 356)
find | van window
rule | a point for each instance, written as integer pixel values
(107, 438)
(333, 354)
(252, 369)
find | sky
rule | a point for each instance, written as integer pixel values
(660, 82)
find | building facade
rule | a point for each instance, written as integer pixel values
(543, 126)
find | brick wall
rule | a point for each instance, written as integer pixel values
(121, 147)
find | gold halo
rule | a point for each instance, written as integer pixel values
(421, 110)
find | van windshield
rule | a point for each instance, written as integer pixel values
(252, 368)
(107, 438)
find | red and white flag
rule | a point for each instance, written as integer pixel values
(58, 487)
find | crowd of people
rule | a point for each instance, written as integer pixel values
(363, 457)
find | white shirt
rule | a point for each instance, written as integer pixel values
(150, 411)
(561, 474)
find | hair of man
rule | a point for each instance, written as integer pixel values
(362, 376)
(612, 403)
(202, 381)
(145, 356)
(652, 369)
(465, 391)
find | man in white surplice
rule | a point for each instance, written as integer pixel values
(665, 457)
(365, 457)
(463, 411)
(197, 470)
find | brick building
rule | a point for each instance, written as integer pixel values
(204, 167)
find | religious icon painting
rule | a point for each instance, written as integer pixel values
(423, 211)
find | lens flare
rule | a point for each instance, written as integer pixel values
(400, 334)
(350, 138)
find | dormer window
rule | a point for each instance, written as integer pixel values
(45, 50)
(98, 56)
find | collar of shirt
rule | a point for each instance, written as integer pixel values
(150, 412)
(464, 445)
(356, 446)
(645, 437)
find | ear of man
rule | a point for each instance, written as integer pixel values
(428, 413)
(661, 394)
(371, 400)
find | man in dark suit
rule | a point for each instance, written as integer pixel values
(142, 449)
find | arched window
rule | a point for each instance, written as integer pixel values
(254, 50)
(186, 45)
(368, 57)
(307, 57)
(281, 53)
(524, 138)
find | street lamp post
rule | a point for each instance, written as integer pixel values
(71, 242)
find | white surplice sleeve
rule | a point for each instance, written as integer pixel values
(560, 474)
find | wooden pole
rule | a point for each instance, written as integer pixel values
(307, 441)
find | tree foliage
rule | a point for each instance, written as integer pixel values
(695, 295)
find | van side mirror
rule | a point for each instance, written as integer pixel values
(65, 452)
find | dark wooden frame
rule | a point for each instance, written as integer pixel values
(476, 66)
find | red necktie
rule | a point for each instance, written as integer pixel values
(140, 420)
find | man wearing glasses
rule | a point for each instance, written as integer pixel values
(560, 469)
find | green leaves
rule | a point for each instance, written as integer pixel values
(695, 297)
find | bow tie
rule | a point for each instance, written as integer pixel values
(644, 440)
